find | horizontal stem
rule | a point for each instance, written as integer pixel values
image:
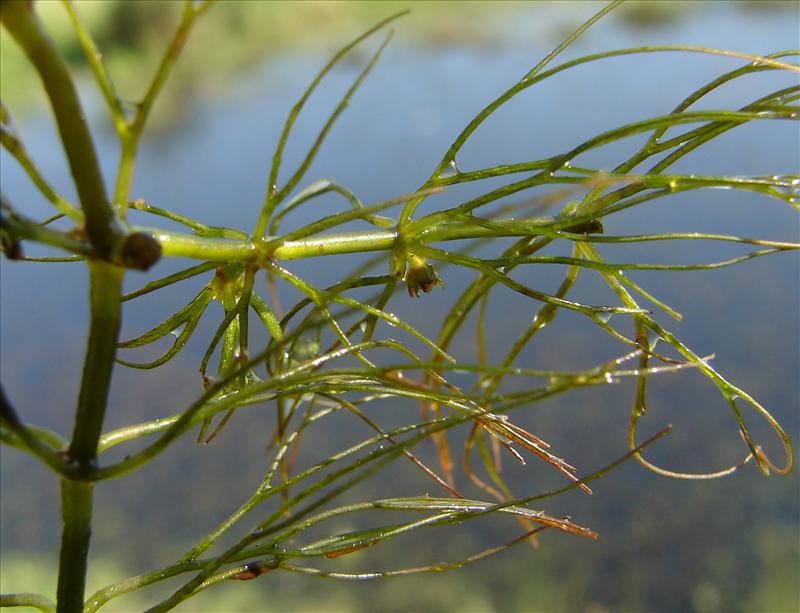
(213, 250)
(351, 242)
(28, 599)
(226, 250)
(20, 227)
(175, 244)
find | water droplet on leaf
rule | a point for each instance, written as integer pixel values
(451, 170)
(177, 331)
(604, 317)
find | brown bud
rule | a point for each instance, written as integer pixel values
(140, 251)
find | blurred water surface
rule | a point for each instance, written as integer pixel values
(665, 545)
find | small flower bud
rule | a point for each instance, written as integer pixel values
(140, 251)
(421, 276)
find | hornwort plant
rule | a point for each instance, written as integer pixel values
(332, 352)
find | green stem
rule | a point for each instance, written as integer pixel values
(98, 67)
(130, 135)
(174, 244)
(20, 20)
(20, 227)
(125, 168)
(76, 517)
(76, 497)
(14, 146)
(27, 599)
(44, 444)
(105, 300)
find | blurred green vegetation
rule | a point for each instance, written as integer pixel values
(240, 33)
(558, 577)
(133, 35)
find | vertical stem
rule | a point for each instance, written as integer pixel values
(127, 163)
(105, 292)
(76, 521)
(105, 285)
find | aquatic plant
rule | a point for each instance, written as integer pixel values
(338, 352)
